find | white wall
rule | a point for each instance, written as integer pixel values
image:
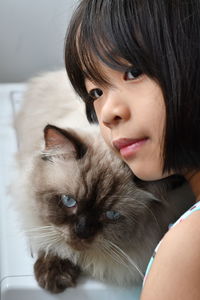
(32, 36)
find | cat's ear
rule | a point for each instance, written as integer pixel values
(66, 140)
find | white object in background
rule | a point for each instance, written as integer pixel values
(16, 265)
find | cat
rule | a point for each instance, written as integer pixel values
(82, 208)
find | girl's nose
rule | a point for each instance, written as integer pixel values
(115, 110)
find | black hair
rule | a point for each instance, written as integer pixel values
(159, 37)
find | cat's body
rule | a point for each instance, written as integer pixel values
(77, 201)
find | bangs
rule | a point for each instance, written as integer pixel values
(97, 35)
(102, 39)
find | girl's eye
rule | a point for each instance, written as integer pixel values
(95, 93)
(132, 74)
(113, 215)
(68, 201)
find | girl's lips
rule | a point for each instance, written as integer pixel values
(128, 147)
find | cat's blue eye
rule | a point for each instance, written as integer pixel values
(95, 93)
(132, 74)
(113, 215)
(68, 201)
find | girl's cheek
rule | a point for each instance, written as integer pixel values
(105, 132)
(97, 110)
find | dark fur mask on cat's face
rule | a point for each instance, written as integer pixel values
(90, 211)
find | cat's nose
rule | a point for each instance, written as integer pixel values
(85, 228)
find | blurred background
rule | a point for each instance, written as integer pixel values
(32, 34)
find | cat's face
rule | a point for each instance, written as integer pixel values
(86, 194)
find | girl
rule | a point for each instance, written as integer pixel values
(135, 63)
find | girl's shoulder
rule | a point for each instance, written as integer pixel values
(186, 229)
(176, 267)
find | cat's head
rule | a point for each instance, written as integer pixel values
(87, 196)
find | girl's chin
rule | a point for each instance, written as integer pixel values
(147, 174)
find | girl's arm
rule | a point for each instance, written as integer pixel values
(175, 273)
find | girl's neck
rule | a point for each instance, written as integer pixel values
(193, 179)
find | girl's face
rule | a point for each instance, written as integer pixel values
(131, 115)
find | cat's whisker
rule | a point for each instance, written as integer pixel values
(151, 212)
(116, 257)
(120, 258)
(125, 256)
(50, 234)
(47, 249)
(51, 239)
(40, 228)
(49, 243)
(49, 230)
(43, 237)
